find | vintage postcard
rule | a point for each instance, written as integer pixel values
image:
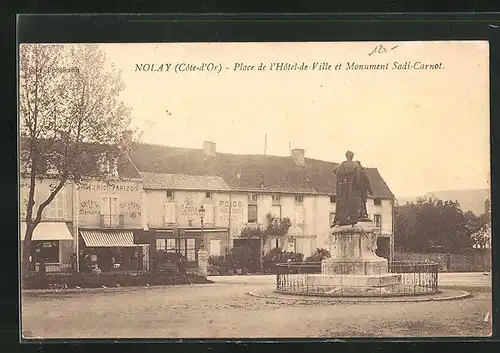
(255, 190)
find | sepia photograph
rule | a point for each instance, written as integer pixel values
(232, 190)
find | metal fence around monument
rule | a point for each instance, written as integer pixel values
(399, 278)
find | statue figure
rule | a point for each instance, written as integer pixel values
(364, 189)
(352, 189)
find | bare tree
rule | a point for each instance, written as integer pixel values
(71, 119)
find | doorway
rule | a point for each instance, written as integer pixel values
(250, 253)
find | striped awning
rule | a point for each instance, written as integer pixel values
(107, 239)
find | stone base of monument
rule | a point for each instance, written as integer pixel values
(382, 280)
(353, 266)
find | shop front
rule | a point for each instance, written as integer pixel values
(51, 247)
(172, 244)
(112, 251)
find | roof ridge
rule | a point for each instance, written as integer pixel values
(233, 154)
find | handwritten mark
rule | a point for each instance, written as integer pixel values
(493, 26)
(166, 111)
(380, 49)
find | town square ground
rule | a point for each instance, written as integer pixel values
(224, 309)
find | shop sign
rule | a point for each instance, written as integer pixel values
(109, 187)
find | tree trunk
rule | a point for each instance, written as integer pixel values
(26, 249)
(261, 257)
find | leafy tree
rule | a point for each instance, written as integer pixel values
(480, 228)
(318, 256)
(71, 119)
(275, 226)
(432, 224)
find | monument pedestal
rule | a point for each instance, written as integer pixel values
(353, 263)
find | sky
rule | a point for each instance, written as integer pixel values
(425, 130)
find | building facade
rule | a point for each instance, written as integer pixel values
(53, 238)
(173, 221)
(109, 217)
(150, 207)
(249, 187)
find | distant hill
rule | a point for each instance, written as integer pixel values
(472, 199)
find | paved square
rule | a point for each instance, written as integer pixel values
(224, 310)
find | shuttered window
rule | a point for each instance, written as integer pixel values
(299, 215)
(276, 211)
(56, 209)
(209, 213)
(215, 247)
(170, 212)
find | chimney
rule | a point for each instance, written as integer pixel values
(209, 148)
(298, 156)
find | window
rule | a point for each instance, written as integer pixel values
(160, 244)
(55, 209)
(377, 202)
(215, 247)
(276, 211)
(170, 194)
(170, 211)
(47, 249)
(209, 213)
(299, 215)
(114, 168)
(378, 220)
(299, 199)
(168, 245)
(208, 195)
(277, 243)
(276, 198)
(332, 199)
(188, 248)
(252, 197)
(252, 214)
(109, 211)
(171, 245)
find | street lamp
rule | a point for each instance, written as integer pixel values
(201, 212)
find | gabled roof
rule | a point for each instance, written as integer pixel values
(159, 181)
(248, 172)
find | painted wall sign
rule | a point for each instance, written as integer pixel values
(130, 208)
(188, 208)
(109, 187)
(89, 207)
(236, 207)
(236, 210)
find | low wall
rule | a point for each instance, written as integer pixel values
(474, 261)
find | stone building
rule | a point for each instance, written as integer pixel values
(240, 190)
(150, 200)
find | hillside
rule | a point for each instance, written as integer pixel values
(472, 199)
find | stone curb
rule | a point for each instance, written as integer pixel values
(359, 300)
(107, 289)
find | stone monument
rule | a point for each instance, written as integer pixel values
(353, 265)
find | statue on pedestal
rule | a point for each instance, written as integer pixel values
(353, 187)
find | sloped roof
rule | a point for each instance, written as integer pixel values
(248, 172)
(90, 151)
(160, 181)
